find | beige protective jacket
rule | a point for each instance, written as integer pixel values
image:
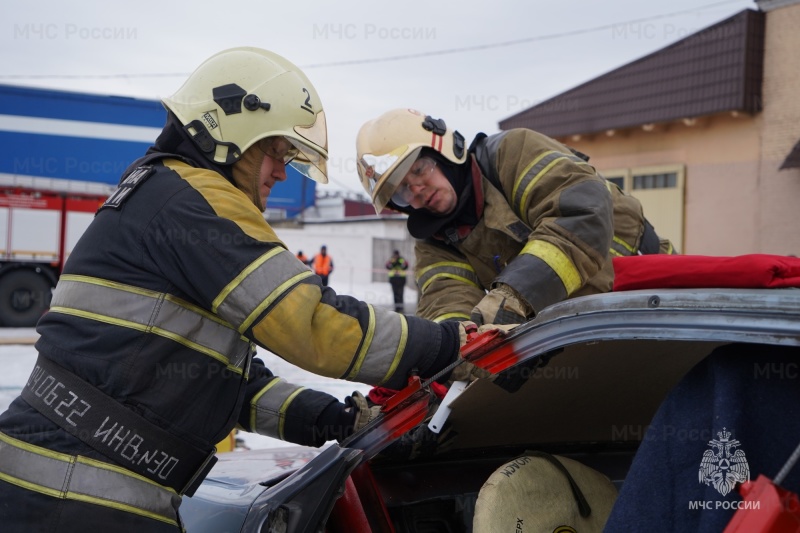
(550, 225)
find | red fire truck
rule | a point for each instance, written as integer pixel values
(61, 154)
(41, 229)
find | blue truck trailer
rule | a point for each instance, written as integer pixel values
(61, 154)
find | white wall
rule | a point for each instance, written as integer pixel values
(350, 245)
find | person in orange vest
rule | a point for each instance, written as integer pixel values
(303, 257)
(322, 264)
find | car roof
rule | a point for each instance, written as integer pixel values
(609, 360)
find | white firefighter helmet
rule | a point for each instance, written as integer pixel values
(388, 145)
(242, 95)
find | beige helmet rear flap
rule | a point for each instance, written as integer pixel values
(537, 492)
(387, 146)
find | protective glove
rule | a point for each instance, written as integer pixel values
(503, 305)
(365, 413)
(466, 371)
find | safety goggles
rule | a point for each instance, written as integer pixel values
(381, 174)
(279, 148)
(421, 169)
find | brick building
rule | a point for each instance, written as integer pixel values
(706, 132)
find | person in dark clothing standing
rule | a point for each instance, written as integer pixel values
(397, 266)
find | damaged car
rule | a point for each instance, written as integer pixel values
(545, 444)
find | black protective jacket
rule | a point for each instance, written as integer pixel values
(165, 296)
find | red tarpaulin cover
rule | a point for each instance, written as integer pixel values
(699, 271)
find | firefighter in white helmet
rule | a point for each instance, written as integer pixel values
(146, 354)
(506, 226)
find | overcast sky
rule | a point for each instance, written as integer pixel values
(470, 63)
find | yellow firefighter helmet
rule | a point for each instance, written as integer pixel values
(242, 95)
(388, 145)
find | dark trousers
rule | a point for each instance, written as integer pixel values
(398, 286)
(324, 278)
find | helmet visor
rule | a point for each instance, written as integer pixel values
(312, 147)
(317, 133)
(381, 175)
(309, 163)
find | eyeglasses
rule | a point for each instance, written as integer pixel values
(421, 168)
(279, 148)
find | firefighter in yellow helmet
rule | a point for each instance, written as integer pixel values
(146, 356)
(506, 226)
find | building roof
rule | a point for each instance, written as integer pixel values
(719, 68)
(793, 159)
(769, 5)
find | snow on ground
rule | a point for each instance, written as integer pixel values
(17, 360)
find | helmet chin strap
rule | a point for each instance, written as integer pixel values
(209, 146)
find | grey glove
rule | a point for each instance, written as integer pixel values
(364, 412)
(503, 305)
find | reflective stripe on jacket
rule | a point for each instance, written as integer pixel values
(397, 267)
(66, 476)
(164, 298)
